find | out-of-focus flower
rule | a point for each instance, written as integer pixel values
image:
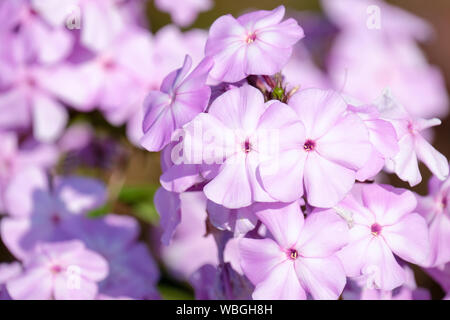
(382, 222)
(435, 208)
(239, 138)
(255, 43)
(184, 12)
(412, 144)
(133, 273)
(98, 21)
(8, 271)
(322, 161)
(301, 260)
(39, 213)
(61, 271)
(15, 158)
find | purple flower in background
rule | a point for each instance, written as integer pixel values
(302, 257)
(39, 213)
(321, 161)
(435, 208)
(239, 221)
(60, 271)
(29, 36)
(99, 21)
(184, 12)
(255, 43)
(181, 97)
(133, 273)
(382, 222)
(190, 239)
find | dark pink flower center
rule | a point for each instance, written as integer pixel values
(375, 229)
(108, 64)
(309, 145)
(444, 203)
(247, 146)
(56, 268)
(292, 254)
(251, 37)
(56, 219)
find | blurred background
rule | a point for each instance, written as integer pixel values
(133, 174)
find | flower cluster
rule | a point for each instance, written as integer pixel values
(286, 174)
(275, 171)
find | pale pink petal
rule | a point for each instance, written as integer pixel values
(315, 240)
(35, 284)
(231, 187)
(346, 143)
(244, 107)
(408, 238)
(281, 284)
(318, 110)
(284, 221)
(259, 257)
(324, 278)
(326, 183)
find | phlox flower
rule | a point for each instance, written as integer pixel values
(220, 283)
(60, 271)
(238, 137)
(36, 105)
(363, 67)
(181, 97)
(333, 145)
(184, 12)
(133, 272)
(29, 36)
(435, 208)
(413, 146)
(396, 24)
(382, 223)
(99, 21)
(300, 259)
(255, 43)
(40, 213)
